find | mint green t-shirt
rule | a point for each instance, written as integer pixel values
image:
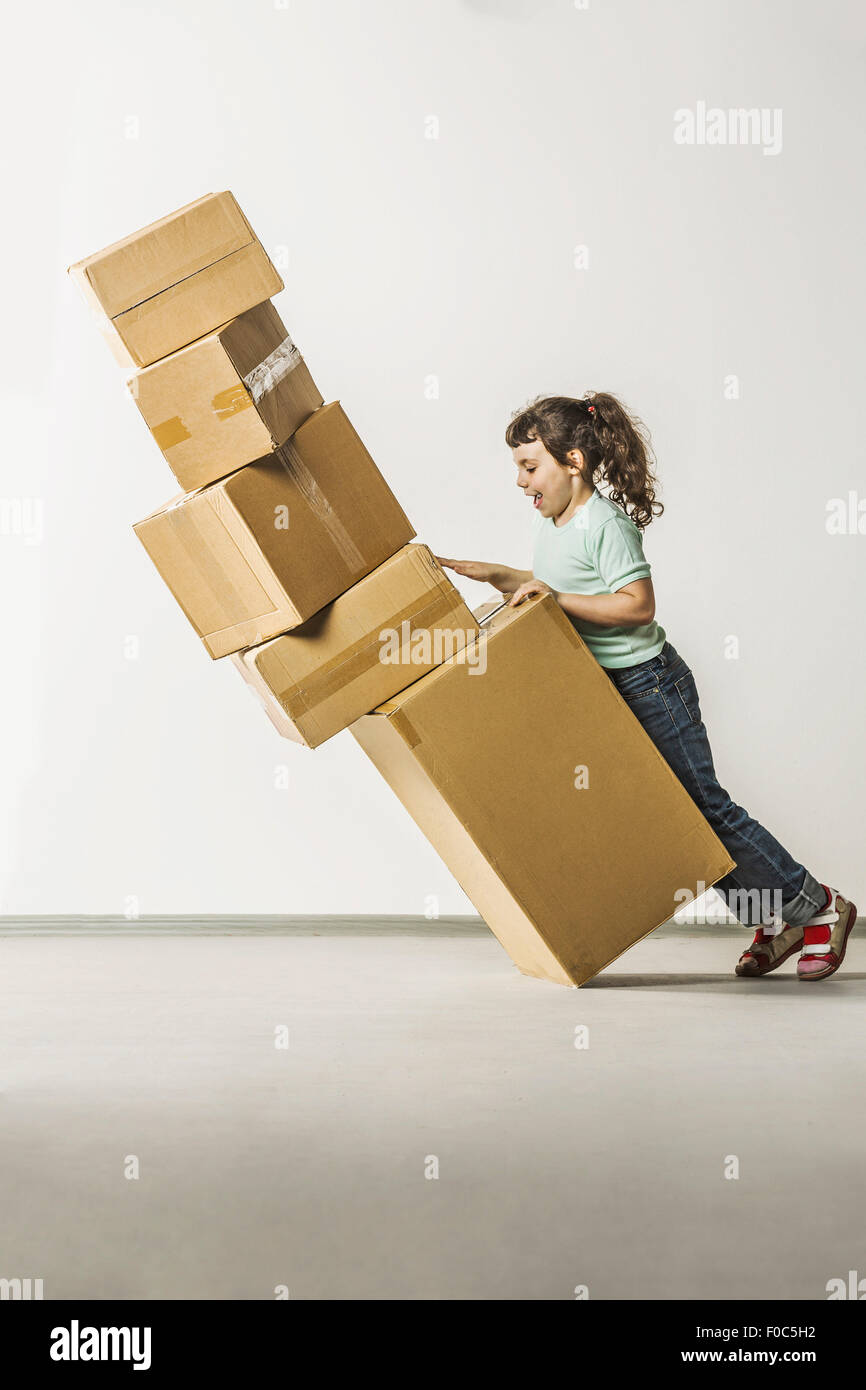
(597, 551)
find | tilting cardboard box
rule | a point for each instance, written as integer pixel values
(228, 398)
(544, 795)
(386, 631)
(265, 548)
(177, 279)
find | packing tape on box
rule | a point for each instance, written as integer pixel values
(365, 654)
(224, 405)
(170, 433)
(271, 370)
(405, 728)
(229, 402)
(287, 455)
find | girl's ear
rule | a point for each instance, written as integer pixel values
(576, 461)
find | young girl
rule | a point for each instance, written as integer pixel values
(589, 554)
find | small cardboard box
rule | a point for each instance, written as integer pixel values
(227, 399)
(388, 630)
(264, 549)
(176, 279)
(544, 795)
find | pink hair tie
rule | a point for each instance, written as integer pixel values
(591, 409)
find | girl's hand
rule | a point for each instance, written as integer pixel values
(534, 586)
(473, 569)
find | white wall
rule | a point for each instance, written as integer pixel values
(154, 778)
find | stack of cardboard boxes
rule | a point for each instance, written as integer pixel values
(286, 550)
(288, 553)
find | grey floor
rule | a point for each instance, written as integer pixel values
(307, 1166)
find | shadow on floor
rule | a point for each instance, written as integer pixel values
(719, 981)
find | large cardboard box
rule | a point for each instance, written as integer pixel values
(544, 795)
(388, 630)
(176, 279)
(265, 548)
(228, 398)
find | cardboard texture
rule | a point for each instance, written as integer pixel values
(176, 279)
(317, 679)
(264, 549)
(567, 877)
(227, 399)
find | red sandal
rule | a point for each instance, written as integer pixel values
(826, 937)
(773, 944)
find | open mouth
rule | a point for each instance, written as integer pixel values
(537, 499)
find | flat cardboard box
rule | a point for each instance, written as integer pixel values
(491, 767)
(176, 279)
(264, 549)
(227, 399)
(388, 630)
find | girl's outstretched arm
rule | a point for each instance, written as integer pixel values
(502, 577)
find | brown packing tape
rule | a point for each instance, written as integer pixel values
(364, 654)
(225, 405)
(297, 470)
(169, 433)
(229, 402)
(405, 728)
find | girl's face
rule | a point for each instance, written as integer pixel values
(549, 484)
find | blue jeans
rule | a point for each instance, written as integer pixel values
(662, 694)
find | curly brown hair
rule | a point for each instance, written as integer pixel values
(615, 445)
